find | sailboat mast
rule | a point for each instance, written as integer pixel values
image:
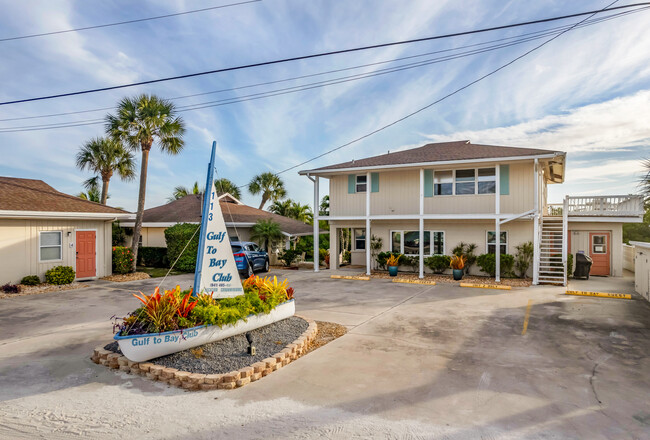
(207, 195)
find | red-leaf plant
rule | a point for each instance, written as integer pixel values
(185, 307)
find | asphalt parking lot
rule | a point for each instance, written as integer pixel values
(418, 362)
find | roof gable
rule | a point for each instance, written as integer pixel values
(437, 152)
(32, 195)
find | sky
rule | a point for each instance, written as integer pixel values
(586, 93)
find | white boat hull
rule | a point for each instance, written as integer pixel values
(140, 348)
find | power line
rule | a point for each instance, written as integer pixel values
(421, 109)
(333, 81)
(318, 55)
(119, 23)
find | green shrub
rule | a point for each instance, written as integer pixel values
(288, 256)
(487, 263)
(438, 263)
(152, 257)
(60, 275)
(322, 253)
(122, 260)
(347, 256)
(177, 237)
(524, 258)
(31, 280)
(569, 265)
(412, 262)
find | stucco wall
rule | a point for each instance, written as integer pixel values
(455, 232)
(19, 247)
(579, 232)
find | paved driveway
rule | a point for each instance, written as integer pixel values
(418, 361)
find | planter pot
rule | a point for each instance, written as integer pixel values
(458, 274)
(392, 271)
(140, 348)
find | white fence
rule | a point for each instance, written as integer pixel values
(628, 257)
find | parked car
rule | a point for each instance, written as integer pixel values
(249, 258)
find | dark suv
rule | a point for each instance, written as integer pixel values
(249, 258)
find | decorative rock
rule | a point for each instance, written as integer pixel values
(122, 361)
(155, 370)
(256, 376)
(233, 376)
(213, 379)
(269, 362)
(226, 385)
(168, 373)
(196, 378)
(208, 386)
(258, 367)
(104, 362)
(174, 382)
(125, 368)
(182, 375)
(243, 381)
(144, 367)
(152, 376)
(246, 372)
(190, 385)
(268, 371)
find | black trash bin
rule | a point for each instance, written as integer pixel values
(583, 266)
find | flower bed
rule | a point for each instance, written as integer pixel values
(176, 320)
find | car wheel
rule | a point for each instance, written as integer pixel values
(249, 271)
(266, 265)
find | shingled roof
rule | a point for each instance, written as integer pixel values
(438, 152)
(35, 195)
(188, 210)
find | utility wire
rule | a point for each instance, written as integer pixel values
(421, 109)
(542, 32)
(318, 55)
(333, 81)
(120, 23)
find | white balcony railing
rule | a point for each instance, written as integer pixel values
(612, 206)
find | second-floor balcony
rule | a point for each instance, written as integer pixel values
(598, 206)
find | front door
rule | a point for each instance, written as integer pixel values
(599, 251)
(86, 254)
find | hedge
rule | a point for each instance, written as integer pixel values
(152, 256)
(122, 260)
(177, 237)
(487, 263)
(60, 275)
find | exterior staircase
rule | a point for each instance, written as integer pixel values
(551, 265)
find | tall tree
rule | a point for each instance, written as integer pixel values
(139, 122)
(182, 191)
(645, 181)
(92, 190)
(224, 186)
(269, 185)
(266, 232)
(282, 207)
(105, 156)
(301, 212)
(324, 208)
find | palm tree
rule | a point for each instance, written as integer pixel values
(181, 191)
(266, 232)
(282, 207)
(139, 122)
(269, 185)
(105, 156)
(224, 186)
(645, 181)
(324, 206)
(301, 212)
(92, 188)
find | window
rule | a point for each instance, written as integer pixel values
(599, 244)
(360, 239)
(491, 242)
(443, 183)
(50, 246)
(410, 245)
(487, 183)
(361, 183)
(465, 181)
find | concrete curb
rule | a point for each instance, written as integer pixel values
(425, 282)
(487, 286)
(226, 381)
(350, 277)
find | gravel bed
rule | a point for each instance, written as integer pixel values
(231, 353)
(43, 288)
(515, 282)
(127, 277)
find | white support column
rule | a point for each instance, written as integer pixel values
(565, 238)
(422, 223)
(316, 231)
(287, 243)
(497, 222)
(368, 235)
(334, 248)
(536, 217)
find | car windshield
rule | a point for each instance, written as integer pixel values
(235, 248)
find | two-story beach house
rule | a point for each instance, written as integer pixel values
(424, 201)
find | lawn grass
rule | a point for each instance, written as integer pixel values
(157, 272)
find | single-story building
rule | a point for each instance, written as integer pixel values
(41, 228)
(239, 219)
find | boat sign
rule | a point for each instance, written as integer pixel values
(216, 270)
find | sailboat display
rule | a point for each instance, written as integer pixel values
(216, 273)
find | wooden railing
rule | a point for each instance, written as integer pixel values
(612, 206)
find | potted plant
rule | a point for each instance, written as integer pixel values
(392, 263)
(457, 263)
